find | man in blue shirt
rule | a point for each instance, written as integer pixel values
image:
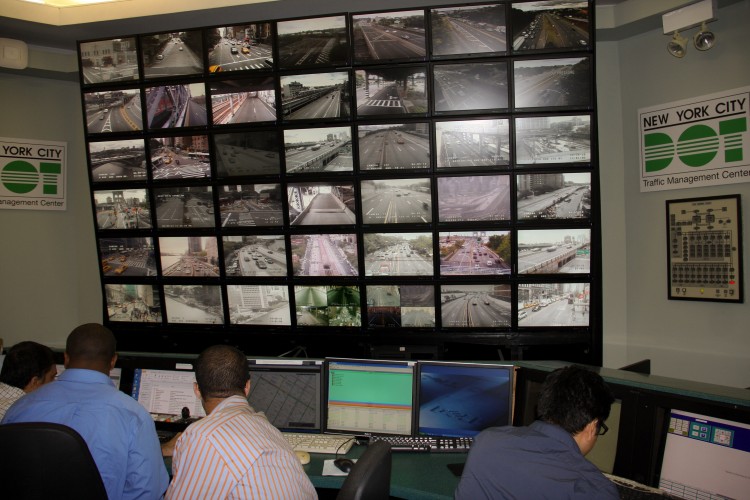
(547, 459)
(119, 432)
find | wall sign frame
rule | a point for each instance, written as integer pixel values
(704, 237)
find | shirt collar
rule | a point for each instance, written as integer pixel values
(555, 432)
(86, 376)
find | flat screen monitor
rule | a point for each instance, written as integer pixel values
(462, 399)
(166, 392)
(705, 457)
(370, 396)
(288, 392)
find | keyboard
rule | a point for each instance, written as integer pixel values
(319, 443)
(631, 490)
(425, 444)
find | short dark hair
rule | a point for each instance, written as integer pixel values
(25, 361)
(221, 371)
(573, 396)
(91, 342)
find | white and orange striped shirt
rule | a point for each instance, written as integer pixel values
(235, 453)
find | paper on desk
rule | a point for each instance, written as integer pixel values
(331, 470)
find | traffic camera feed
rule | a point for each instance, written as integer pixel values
(122, 209)
(550, 251)
(258, 255)
(249, 100)
(398, 254)
(552, 196)
(327, 305)
(318, 41)
(324, 254)
(550, 25)
(468, 31)
(475, 253)
(127, 257)
(139, 303)
(394, 306)
(553, 139)
(250, 205)
(474, 198)
(113, 111)
(472, 143)
(394, 146)
(466, 306)
(184, 207)
(244, 47)
(391, 90)
(325, 149)
(388, 36)
(172, 54)
(179, 157)
(396, 201)
(253, 152)
(259, 305)
(123, 160)
(554, 304)
(106, 61)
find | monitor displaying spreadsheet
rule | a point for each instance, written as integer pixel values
(370, 397)
(166, 392)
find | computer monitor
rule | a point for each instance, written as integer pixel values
(370, 397)
(462, 399)
(705, 457)
(166, 392)
(289, 392)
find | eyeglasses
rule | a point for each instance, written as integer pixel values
(602, 429)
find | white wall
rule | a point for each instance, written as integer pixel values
(702, 341)
(49, 281)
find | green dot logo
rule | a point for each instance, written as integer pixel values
(19, 177)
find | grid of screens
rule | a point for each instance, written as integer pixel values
(426, 172)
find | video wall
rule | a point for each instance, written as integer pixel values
(420, 175)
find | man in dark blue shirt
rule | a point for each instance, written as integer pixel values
(547, 459)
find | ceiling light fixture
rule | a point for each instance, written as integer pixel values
(704, 39)
(677, 46)
(69, 3)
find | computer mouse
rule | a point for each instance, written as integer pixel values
(304, 457)
(343, 464)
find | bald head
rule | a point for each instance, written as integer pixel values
(90, 346)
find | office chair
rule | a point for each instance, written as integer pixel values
(370, 478)
(44, 460)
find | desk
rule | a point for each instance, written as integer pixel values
(414, 476)
(417, 476)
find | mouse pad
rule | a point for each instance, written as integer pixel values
(331, 470)
(456, 469)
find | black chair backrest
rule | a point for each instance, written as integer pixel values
(370, 478)
(42, 460)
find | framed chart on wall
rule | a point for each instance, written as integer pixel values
(704, 236)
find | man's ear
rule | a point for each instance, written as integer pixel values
(197, 391)
(112, 363)
(66, 359)
(247, 387)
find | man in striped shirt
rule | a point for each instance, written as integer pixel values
(233, 452)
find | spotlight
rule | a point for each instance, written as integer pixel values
(704, 39)
(677, 46)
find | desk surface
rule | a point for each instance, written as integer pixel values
(418, 476)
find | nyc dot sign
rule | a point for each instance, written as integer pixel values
(696, 142)
(32, 174)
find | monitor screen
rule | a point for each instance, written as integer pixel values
(166, 392)
(288, 392)
(370, 397)
(462, 399)
(705, 457)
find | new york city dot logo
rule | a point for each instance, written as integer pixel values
(22, 177)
